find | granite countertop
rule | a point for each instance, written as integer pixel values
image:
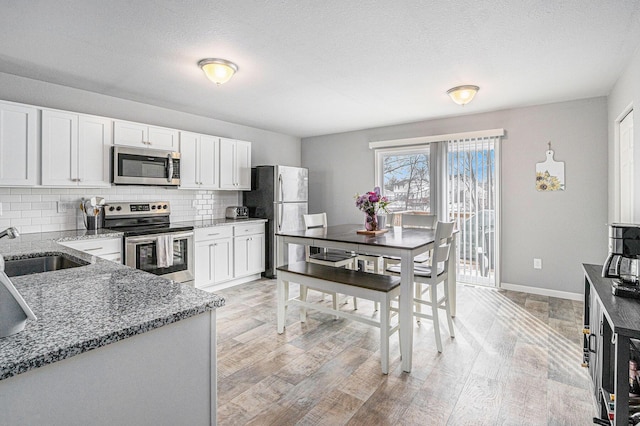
(84, 308)
(208, 223)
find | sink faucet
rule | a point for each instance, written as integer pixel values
(10, 232)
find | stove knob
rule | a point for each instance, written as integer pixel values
(111, 208)
(153, 207)
(165, 207)
(119, 208)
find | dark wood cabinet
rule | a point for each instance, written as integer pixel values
(610, 323)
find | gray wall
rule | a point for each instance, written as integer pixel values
(565, 228)
(267, 147)
(625, 92)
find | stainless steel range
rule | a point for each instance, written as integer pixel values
(151, 242)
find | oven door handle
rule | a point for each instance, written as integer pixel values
(147, 239)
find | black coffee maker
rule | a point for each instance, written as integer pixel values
(623, 262)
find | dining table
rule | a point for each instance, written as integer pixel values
(405, 243)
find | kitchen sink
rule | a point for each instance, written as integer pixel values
(45, 263)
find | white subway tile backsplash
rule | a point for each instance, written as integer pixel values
(40, 191)
(31, 213)
(35, 209)
(59, 191)
(30, 198)
(20, 206)
(43, 205)
(21, 191)
(51, 197)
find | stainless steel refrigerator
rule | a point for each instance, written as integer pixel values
(279, 194)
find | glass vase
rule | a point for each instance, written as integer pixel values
(371, 222)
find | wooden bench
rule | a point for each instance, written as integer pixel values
(377, 288)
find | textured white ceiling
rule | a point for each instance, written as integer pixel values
(311, 67)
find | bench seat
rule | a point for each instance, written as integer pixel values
(377, 288)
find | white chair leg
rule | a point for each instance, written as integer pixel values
(335, 303)
(436, 320)
(384, 336)
(447, 309)
(376, 270)
(355, 303)
(303, 297)
(283, 287)
(418, 295)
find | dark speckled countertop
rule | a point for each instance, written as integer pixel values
(84, 308)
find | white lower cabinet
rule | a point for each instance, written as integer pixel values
(214, 255)
(105, 248)
(248, 250)
(226, 255)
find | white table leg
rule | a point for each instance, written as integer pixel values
(406, 309)
(282, 292)
(451, 280)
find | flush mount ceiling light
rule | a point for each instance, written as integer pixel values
(462, 95)
(218, 70)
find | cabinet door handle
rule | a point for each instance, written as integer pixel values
(94, 248)
(592, 348)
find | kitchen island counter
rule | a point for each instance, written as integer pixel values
(89, 314)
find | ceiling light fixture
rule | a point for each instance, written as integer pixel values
(218, 70)
(462, 95)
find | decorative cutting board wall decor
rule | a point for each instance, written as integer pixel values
(550, 174)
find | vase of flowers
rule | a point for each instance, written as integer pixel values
(372, 203)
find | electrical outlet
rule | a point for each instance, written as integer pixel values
(194, 203)
(0, 209)
(61, 206)
(537, 263)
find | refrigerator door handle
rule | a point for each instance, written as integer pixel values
(280, 188)
(280, 213)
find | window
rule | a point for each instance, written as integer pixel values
(404, 177)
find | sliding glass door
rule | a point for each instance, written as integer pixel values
(457, 180)
(473, 200)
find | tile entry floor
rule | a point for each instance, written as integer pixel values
(515, 360)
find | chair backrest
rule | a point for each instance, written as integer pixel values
(318, 220)
(442, 246)
(411, 220)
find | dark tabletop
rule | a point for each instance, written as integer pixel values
(623, 313)
(407, 238)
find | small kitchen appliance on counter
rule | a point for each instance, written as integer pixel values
(237, 212)
(623, 262)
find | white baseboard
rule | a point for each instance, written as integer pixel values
(543, 291)
(215, 287)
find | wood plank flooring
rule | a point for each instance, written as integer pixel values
(515, 360)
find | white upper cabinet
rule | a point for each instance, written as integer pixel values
(235, 164)
(199, 161)
(75, 149)
(144, 136)
(18, 145)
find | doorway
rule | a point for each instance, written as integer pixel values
(473, 203)
(625, 169)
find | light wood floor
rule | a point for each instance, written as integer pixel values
(515, 360)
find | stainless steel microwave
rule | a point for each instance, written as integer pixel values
(143, 166)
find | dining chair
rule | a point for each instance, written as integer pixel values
(412, 220)
(327, 257)
(427, 277)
